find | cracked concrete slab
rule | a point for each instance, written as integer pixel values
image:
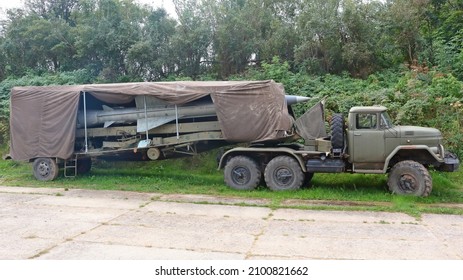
(87, 224)
(78, 250)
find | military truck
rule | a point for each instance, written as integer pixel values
(368, 143)
(65, 127)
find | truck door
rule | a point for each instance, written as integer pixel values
(368, 143)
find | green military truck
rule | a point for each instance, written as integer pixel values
(368, 143)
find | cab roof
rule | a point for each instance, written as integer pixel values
(368, 109)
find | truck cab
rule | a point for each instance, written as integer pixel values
(375, 143)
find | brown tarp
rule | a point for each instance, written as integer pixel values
(43, 119)
(311, 125)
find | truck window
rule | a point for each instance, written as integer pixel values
(366, 121)
(385, 121)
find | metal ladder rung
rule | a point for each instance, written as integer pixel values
(70, 164)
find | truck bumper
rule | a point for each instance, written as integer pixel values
(451, 163)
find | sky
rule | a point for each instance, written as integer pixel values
(167, 4)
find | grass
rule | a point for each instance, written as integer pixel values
(198, 175)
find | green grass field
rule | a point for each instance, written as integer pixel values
(198, 175)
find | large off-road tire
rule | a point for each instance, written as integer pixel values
(283, 173)
(45, 169)
(410, 178)
(337, 131)
(242, 173)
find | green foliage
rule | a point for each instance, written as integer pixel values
(191, 39)
(278, 71)
(449, 55)
(125, 41)
(433, 100)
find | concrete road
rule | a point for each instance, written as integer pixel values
(55, 224)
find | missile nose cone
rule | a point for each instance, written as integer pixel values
(293, 99)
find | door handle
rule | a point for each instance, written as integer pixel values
(357, 134)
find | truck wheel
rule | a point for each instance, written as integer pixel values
(410, 178)
(242, 173)
(283, 173)
(45, 169)
(337, 131)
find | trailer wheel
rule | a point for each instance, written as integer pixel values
(410, 178)
(45, 169)
(337, 131)
(242, 173)
(283, 173)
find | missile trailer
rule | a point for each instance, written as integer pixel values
(65, 126)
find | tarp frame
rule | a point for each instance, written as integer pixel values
(85, 121)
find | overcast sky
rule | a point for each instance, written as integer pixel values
(167, 4)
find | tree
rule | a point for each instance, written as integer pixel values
(3, 64)
(52, 9)
(106, 31)
(233, 35)
(35, 43)
(448, 48)
(319, 25)
(151, 58)
(279, 35)
(192, 40)
(360, 36)
(405, 19)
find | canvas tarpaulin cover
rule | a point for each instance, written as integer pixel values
(311, 125)
(43, 119)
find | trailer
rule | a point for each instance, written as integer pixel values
(65, 126)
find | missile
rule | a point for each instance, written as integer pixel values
(293, 99)
(151, 112)
(146, 119)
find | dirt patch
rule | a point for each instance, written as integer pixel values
(214, 199)
(299, 202)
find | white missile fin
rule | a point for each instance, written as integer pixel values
(107, 124)
(150, 123)
(107, 108)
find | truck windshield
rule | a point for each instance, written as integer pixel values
(386, 121)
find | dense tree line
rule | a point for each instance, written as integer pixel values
(120, 40)
(408, 53)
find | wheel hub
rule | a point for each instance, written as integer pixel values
(283, 175)
(241, 175)
(44, 169)
(407, 183)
